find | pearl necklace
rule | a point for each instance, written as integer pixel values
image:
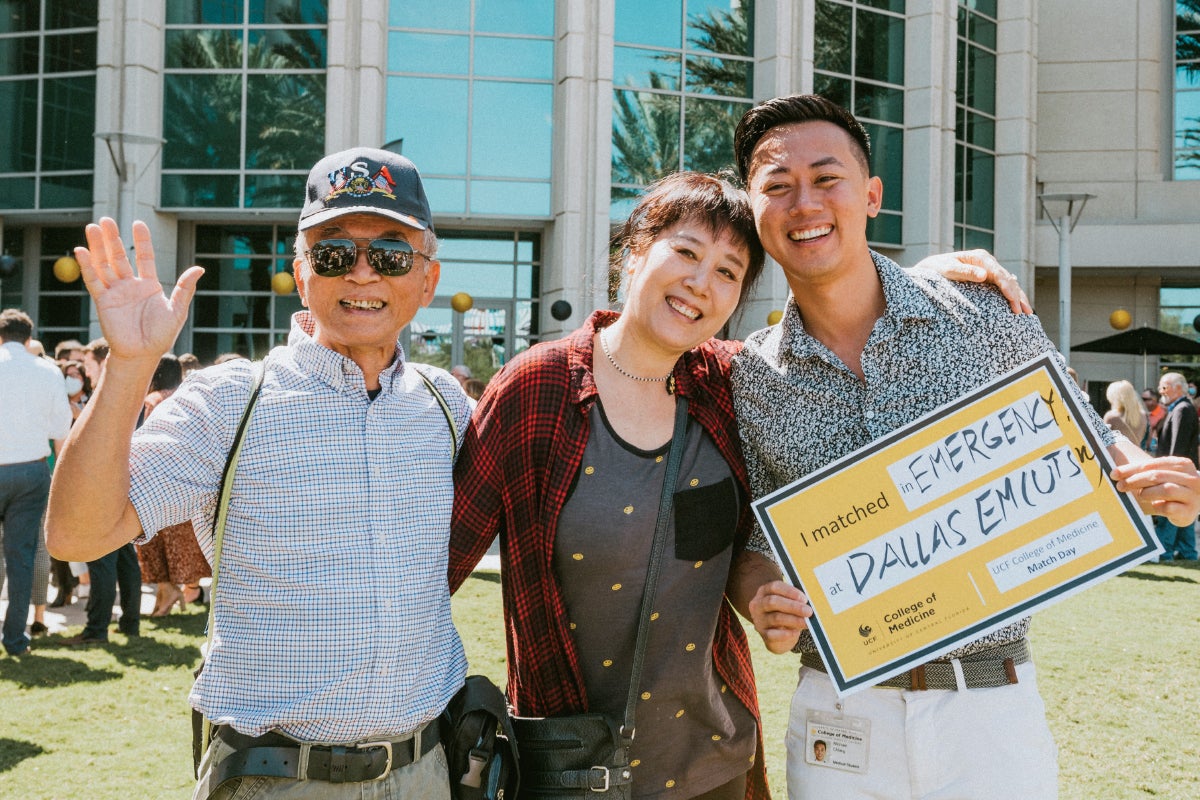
(668, 379)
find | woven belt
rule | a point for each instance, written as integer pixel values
(274, 755)
(996, 666)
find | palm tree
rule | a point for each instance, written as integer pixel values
(1187, 57)
(646, 124)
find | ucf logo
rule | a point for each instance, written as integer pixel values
(356, 180)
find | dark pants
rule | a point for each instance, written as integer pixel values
(118, 568)
(24, 489)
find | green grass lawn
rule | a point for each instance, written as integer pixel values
(1119, 667)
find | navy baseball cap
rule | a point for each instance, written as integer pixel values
(364, 180)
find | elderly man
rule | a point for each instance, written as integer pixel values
(863, 349)
(1178, 436)
(333, 651)
(33, 405)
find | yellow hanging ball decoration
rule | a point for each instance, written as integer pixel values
(282, 283)
(1120, 319)
(66, 269)
(462, 302)
(774, 317)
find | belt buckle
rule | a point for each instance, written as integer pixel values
(603, 771)
(387, 746)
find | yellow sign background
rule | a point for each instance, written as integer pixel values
(944, 605)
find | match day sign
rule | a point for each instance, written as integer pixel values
(982, 512)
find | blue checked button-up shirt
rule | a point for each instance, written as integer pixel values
(800, 407)
(332, 610)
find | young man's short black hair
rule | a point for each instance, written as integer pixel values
(790, 109)
(15, 326)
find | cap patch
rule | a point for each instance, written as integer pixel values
(356, 180)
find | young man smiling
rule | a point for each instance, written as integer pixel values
(333, 652)
(863, 349)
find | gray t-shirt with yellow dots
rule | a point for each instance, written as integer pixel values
(693, 735)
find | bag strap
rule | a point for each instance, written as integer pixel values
(222, 510)
(665, 504)
(437, 393)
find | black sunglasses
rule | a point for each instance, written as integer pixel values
(331, 258)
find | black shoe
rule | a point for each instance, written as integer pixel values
(38, 629)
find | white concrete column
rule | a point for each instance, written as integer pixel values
(355, 81)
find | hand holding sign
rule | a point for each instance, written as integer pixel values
(1168, 486)
(779, 612)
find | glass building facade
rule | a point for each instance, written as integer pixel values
(975, 126)
(536, 124)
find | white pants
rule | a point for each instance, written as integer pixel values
(973, 744)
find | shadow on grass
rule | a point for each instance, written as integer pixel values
(14, 751)
(43, 671)
(490, 577)
(1155, 576)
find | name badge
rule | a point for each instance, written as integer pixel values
(837, 741)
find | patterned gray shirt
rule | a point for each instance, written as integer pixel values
(800, 407)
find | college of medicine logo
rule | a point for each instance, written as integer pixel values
(356, 180)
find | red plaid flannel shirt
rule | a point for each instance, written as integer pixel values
(518, 460)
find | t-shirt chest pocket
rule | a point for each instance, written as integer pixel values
(705, 520)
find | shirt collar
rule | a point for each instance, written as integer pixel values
(11, 349)
(903, 300)
(335, 369)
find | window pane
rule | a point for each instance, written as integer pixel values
(285, 121)
(19, 16)
(430, 115)
(206, 49)
(651, 69)
(202, 191)
(70, 14)
(61, 310)
(879, 102)
(288, 49)
(68, 114)
(67, 191)
(534, 17)
(981, 80)
(720, 76)
(288, 12)
(981, 31)
(887, 5)
(708, 133)
(831, 88)
(446, 196)
(16, 193)
(19, 55)
(980, 189)
(645, 136)
(480, 280)
(979, 131)
(276, 191)
(514, 58)
(887, 161)
(879, 47)
(973, 240)
(885, 228)
(831, 49)
(201, 121)
(719, 27)
(510, 197)
(505, 114)
(18, 138)
(982, 6)
(212, 12)
(446, 15)
(659, 23)
(436, 53)
(71, 52)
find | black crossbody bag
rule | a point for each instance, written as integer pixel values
(586, 755)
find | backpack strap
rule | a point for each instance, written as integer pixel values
(437, 394)
(222, 510)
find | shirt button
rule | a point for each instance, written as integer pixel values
(869, 414)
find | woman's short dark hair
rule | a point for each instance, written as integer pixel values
(788, 110)
(710, 200)
(168, 375)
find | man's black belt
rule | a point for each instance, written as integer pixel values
(274, 755)
(986, 669)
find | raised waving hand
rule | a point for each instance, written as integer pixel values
(138, 319)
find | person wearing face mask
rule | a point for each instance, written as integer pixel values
(1179, 436)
